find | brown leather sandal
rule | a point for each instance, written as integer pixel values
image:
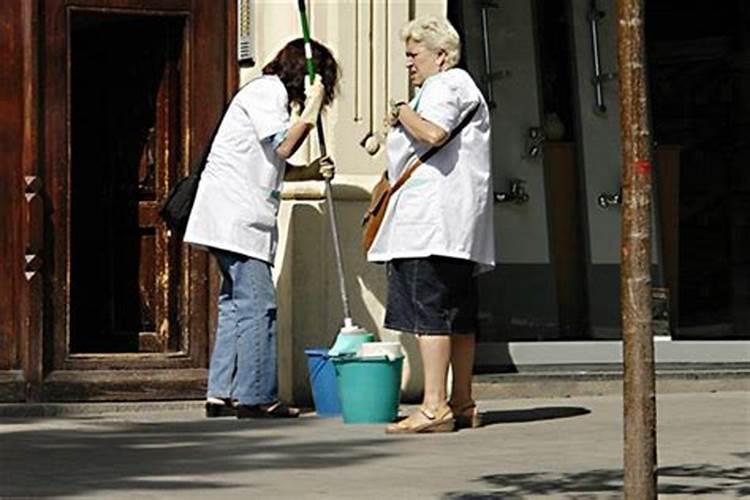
(466, 415)
(423, 421)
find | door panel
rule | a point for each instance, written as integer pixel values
(699, 83)
(595, 38)
(519, 297)
(125, 138)
(599, 151)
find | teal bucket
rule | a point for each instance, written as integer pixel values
(369, 388)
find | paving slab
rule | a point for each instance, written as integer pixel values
(568, 448)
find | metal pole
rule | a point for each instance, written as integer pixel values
(594, 16)
(487, 55)
(639, 394)
(310, 66)
(339, 257)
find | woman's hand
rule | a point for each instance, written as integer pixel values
(325, 167)
(301, 121)
(314, 94)
(395, 111)
(321, 168)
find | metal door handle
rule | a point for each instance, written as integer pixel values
(516, 193)
(609, 200)
(534, 141)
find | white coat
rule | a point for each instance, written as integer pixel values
(446, 207)
(238, 197)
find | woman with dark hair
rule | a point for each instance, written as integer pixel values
(234, 217)
(289, 66)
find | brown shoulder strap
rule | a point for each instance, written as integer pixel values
(405, 176)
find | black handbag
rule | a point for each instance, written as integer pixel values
(175, 211)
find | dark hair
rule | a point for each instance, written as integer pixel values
(289, 66)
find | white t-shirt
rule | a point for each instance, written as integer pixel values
(239, 193)
(446, 207)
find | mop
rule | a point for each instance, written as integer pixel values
(350, 335)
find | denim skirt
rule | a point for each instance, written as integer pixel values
(432, 296)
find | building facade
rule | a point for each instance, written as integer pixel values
(105, 103)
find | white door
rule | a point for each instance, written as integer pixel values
(595, 47)
(594, 36)
(518, 299)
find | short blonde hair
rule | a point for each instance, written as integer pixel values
(436, 34)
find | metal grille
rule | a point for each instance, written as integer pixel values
(244, 38)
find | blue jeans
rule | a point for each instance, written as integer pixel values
(243, 363)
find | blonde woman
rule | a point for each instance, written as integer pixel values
(437, 234)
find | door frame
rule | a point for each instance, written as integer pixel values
(180, 374)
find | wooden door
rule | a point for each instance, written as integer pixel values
(125, 139)
(131, 92)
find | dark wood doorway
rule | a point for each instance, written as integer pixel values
(132, 91)
(699, 85)
(125, 140)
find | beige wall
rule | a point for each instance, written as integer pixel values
(364, 36)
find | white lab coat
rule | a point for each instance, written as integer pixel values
(446, 207)
(238, 197)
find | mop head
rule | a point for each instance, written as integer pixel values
(349, 339)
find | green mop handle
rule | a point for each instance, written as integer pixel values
(309, 63)
(310, 66)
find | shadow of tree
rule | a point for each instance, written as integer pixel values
(688, 479)
(107, 456)
(532, 414)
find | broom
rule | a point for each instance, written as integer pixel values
(349, 327)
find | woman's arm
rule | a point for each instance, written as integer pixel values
(303, 120)
(422, 130)
(294, 138)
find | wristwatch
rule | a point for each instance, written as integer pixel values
(395, 110)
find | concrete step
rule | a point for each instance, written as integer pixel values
(529, 382)
(83, 409)
(566, 381)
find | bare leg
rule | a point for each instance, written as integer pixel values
(434, 415)
(462, 359)
(436, 355)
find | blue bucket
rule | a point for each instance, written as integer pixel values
(323, 382)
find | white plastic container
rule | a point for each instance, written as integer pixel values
(389, 350)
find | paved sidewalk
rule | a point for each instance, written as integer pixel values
(531, 448)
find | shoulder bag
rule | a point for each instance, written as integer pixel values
(175, 211)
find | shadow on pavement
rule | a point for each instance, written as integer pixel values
(117, 456)
(532, 414)
(689, 479)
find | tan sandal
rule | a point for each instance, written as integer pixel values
(424, 421)
(467, 415)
